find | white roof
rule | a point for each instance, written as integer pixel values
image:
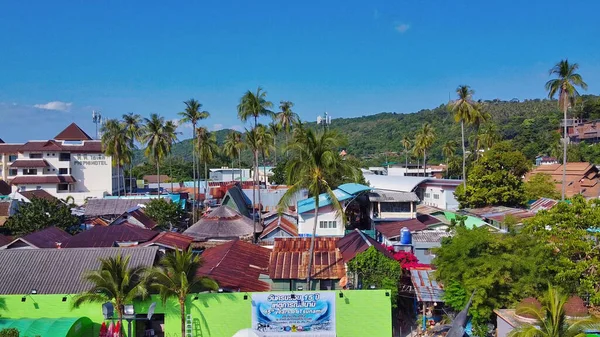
(395, 183)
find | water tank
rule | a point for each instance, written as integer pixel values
(405, 236)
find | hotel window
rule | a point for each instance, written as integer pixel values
(64, 157)
(327, 224)
(427, 195)
(63, 187)
(29, 172)
(63, 171)
(35, 155)
(436, 196)
(13, 172)
(12, 157)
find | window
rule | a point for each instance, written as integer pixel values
(63, 171)
(12, 157)
(427, 195)
(63, 187)
(395, 207)
(64, 157)
(327, 224)
(29, 172)
(326, 285)
(13, 172)
(38, 187)
(436, 196)
(35, 155)
(23, 188)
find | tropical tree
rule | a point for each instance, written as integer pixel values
(406, 144)
(193, 113)
(206, 142)
(132, 124)
(463, 109)
(489, 136)
(158, 138)
(113, 282)
(274, 129)
(176, 276)
(287, 118)
(315, 158)
(565, 85)
(448, 150)
(233, 149)
(265, 141)
(425, 139)
(115, 143)
(551, 320)
(479, 117)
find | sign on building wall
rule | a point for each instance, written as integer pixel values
(300, 314)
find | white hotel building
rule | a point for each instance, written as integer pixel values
(71, 164)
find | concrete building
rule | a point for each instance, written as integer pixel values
(229, 174)
(71, 164)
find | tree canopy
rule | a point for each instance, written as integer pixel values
(39, 214)
(540, 185)
(167, 214)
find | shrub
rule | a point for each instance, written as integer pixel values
(10, 332)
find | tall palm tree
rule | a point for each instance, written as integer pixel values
(274, 129)
(233, 149)
(551, 320)
(193, 113)
(207, 148)
(287, 118)
(253, 142)
(176, 276)
(479, 117)
(417, 151)
(265, 141)
(158, 138)
(425, 139)
(565, 85)
(113, 282)
(448, 151)
(463, 109)
(406, 144)
(116, 144)
(132, 128)
(314, 158)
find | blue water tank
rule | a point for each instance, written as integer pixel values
(405, 236)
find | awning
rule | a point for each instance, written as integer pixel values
(50, 327)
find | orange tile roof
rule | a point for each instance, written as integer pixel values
(581, 178)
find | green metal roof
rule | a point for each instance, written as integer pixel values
(49, 327)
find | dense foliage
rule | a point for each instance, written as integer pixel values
(167, 214)
(39, 214)
(9, 332)
(540, 185)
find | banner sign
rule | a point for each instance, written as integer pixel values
(308, 314)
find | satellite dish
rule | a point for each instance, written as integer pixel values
(151, 310)
(246, 333)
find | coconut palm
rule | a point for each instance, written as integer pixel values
(314, 158)
(448, 151)
(265, 141)
(479, 117)
(158, 138)
(463, 109)
(274, 129)
(116, 144)
(489, 136)
(551, 320)
(253, 142)
(417, 151)
(425, 139)
(565, 85)
(287, 118)
(193, 113)
(207, 148)
(406, 144)
(113, 282)
(233, 149)
(176, 276)
(133, 130)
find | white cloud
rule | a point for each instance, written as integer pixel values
(217, 127)
(237, 128)
(402, 28)
(55, 105)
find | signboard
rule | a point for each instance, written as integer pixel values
(310, 314)
(89, 159)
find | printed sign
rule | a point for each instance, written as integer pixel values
(308, 314)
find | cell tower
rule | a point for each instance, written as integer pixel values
(97, 119)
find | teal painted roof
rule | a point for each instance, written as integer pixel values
(343, 192)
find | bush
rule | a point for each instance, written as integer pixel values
(10, 332)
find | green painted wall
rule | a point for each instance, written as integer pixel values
(358, 313)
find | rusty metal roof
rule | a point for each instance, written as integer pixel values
(170, 240)
(40, 194)
(289, 259)
(427, 288)
(282, 223)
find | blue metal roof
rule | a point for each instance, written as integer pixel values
(343, 192)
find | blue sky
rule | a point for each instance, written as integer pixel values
(62, 59)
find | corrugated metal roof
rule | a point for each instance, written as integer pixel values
(353, 188)
(307, 205)
(59, 271)
(40, 194)
(111, 207)
(426, 287)
(357, 242)
(391, 196)
(430, 236)
(170, 240)
(542, 204)
(282, 223)
(289, 259)
(391, 229)
(45, 238)
(108, 236)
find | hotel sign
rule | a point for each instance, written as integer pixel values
(90, 160)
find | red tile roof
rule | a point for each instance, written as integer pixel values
(101, 236)
(171, 240)
(357, 242)
(40, 194)
(29, 163)
(289, 259)
(237, 265)
(282, 223)
(72, 132)
(582, 178)
(391, 229)
(5, 188)
(10, 148)
(44, 145)
(49, 179)
(46, 238)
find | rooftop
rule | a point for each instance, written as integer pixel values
(45, 238)
(72, 132)
(343, 192)
(391, 229)
(282, 223)
(111, 207)
(49, 179)
(110, 236)
(27, 163)
(289, 259)
(426, 287)
(357, 242)
(40, 194)
(223, 223)
(153, 178)
(170, 240)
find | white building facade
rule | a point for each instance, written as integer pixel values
(72, 164)
(229, 174)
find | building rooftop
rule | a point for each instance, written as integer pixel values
(170, 240)
(111, 207)
(582, 178)
(153, 178)
(40, 194)
(426, 287)
(72, 132)
(59, 271)
(357, 242)
(282, 223)
(392, 196)
(39, 179)
(343, 192)
(5, 188)
(430, 236)
(45, 238)
(391, 229)
(289, 259)
(29, 163)
(138, 215)
(110, 236)
(223, 223)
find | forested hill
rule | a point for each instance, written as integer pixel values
(531, 124)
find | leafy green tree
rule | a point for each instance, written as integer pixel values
(551, 320)
(495, 179)
(424, 140)
(132, 123)
(113, 282)
(565, 85)
(313, 158)
(39, 214)
(176, 276)
(279, 175)
(9, 332)
(406, 145)
(274, 129)
(167, 214)
(463, 109)
(287, 118)
(233, 149)
(374, 268)
(207, 150)
(158, 137)
(540, 185)
(448, 151)
(115, 143)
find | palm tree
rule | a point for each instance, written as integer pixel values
(116, 144)
(314, 158)
(478, 118)
(113, 282)
(132, 128)
(425, 139)
(565, 85)
(463, 109)
(158, 137)
(406, 144)
(551, 320)
(207, 149)
(253, 142)
(265, 141)
(193, 113)
(287, 118)
(489, 136)
(274, 129)
(448, 151)
(233, 149)
(176, 276)
(417, 151)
